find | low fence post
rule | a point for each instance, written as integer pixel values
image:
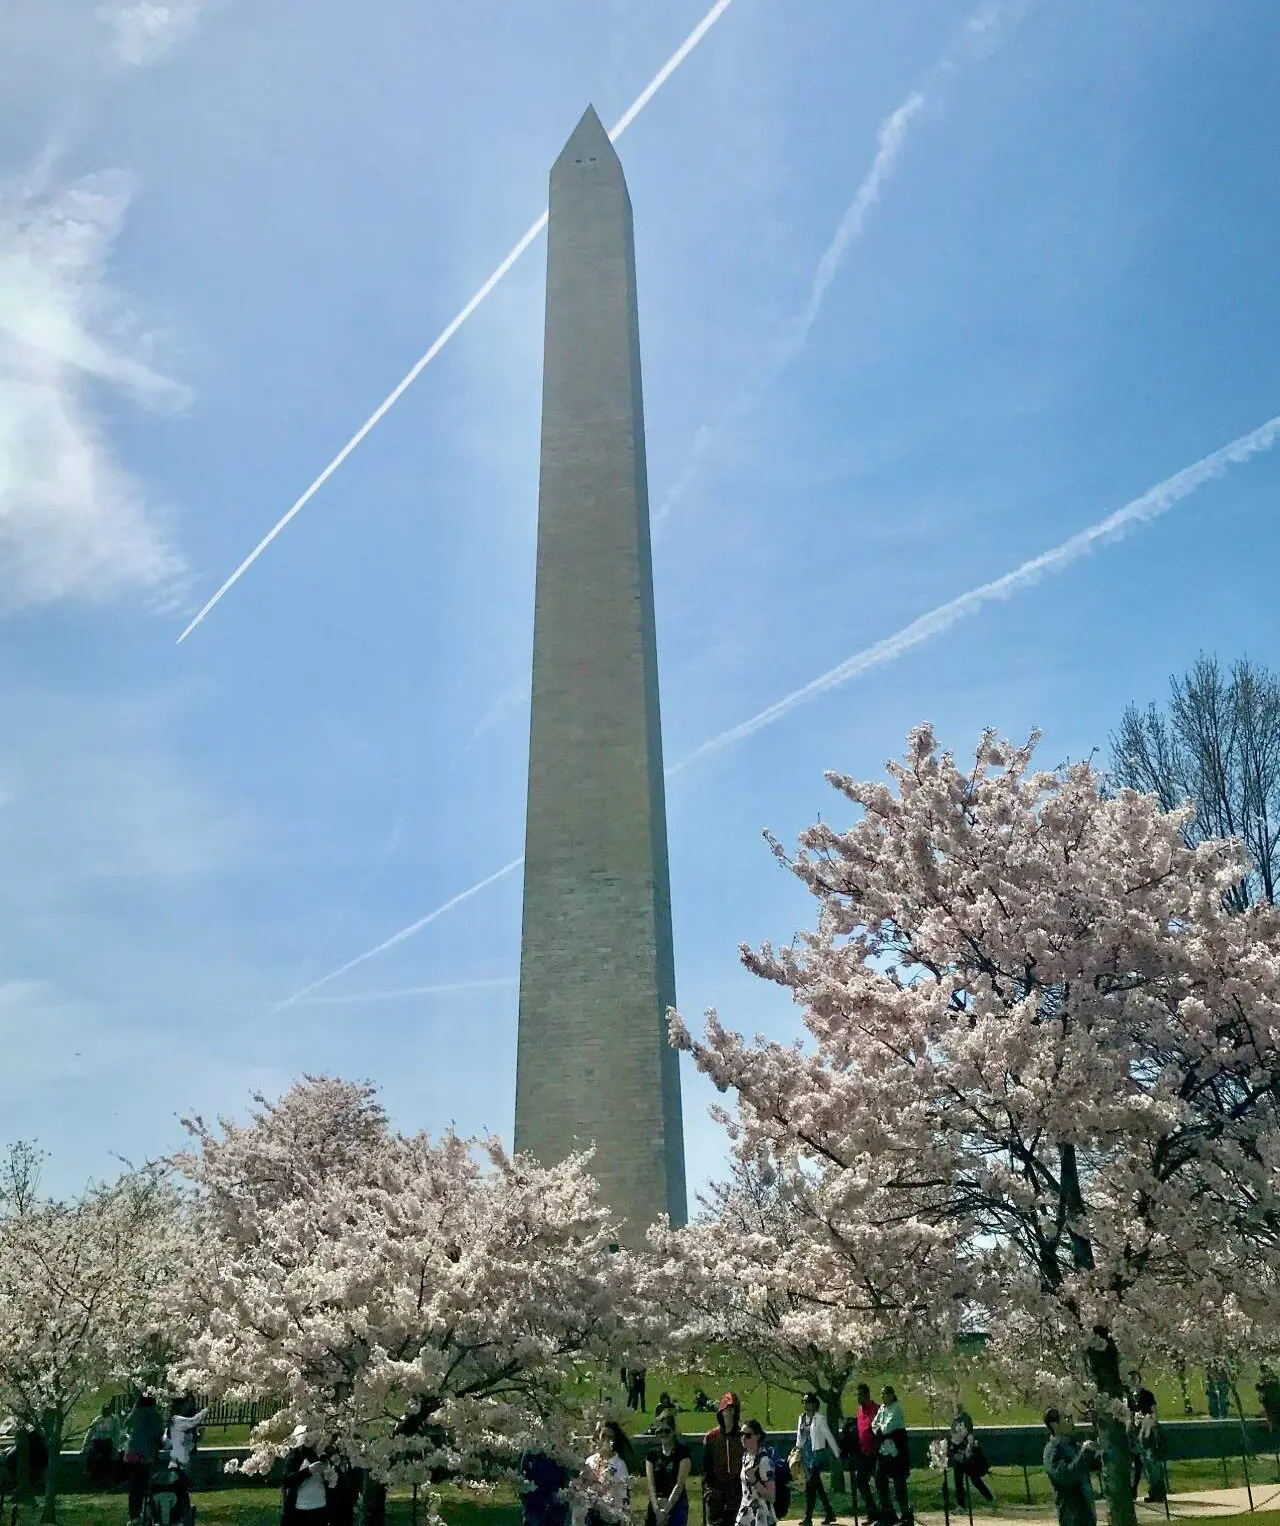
(1026, 1480)
(1244, 1450)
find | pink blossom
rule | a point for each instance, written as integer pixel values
(1044, 1063)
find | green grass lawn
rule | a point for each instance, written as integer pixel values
(779, 1409)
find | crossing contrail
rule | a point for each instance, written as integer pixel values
(419, 366)
(395, 938)
(1151, 505)
(445, 988)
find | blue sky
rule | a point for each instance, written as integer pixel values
(227, 229)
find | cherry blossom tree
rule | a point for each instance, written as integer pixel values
(82, 1294)
(1038, 1040)
(417, 1305)
(759, 1273)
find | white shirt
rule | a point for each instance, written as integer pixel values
(311, 1494)
(614, 1480)
(819, 1434)
(180, 1432)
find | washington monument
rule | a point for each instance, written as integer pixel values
(597, 972)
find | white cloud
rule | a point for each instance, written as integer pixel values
(73, 522)
(142, 30)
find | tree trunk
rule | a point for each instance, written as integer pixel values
(373, 1503)
(1113, 1436)
(52, 1432)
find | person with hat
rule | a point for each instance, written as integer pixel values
(306, 1495)
(722, 1465)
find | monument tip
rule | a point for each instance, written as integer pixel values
(588, 140)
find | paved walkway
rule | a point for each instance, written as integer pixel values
(1199, 1502)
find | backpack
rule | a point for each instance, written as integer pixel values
(781, 1483)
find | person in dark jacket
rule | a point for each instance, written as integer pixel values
(967, 1459)
(722, 1465)
(306, 1495)
(144, 1431)
(542, 1502)
(667, 1470)
(1068, 1463)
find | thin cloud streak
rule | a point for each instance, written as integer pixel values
(890, 136)
(981, 34)
(400, 937)
(1151, 505)
(445, 988)
(313, 956)
(392, 398)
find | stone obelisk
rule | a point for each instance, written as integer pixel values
(597, 973)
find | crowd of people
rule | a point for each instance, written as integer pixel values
(147, 1452)
(744, 1481)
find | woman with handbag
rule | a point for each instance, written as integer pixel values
(818, 1451)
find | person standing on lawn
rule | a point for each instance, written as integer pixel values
(968, 1462)
(818, 1451)
(893, 1461)
(722, 1466)
(1148, 1447)
(1068, 1463)
(667, 1471)
(607, 1474)
(144, 1431)
(306, 1495)
(184, 1433)
(102, 1446)
(543, 1502)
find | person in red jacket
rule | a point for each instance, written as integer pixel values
(722, 1466)
(862, 1453)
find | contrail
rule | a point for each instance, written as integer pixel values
(447, 987)
(1151, 505)
(389, 402)
(405, 932)
(981, 33)
(890, 137)
(362, 889)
